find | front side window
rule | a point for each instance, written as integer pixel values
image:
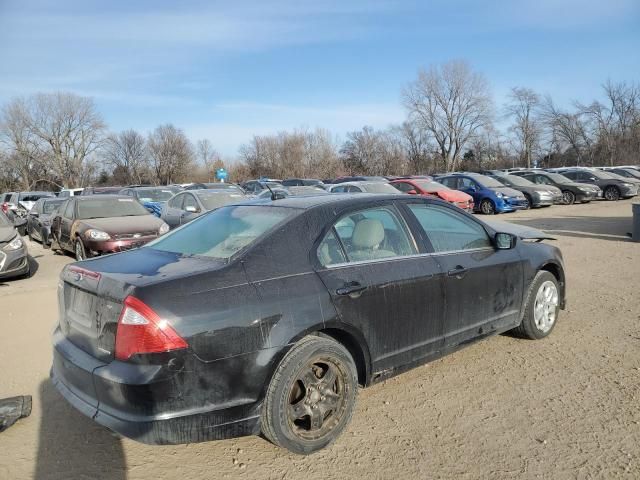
(176, 202)
(190, 201)
(448, 230)
(467, 183)
(372, 234)
(223, 232)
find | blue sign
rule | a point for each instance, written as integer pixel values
(221, 174)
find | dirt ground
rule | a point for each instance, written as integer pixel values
(564, 407)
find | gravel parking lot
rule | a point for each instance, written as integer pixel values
(564, 407)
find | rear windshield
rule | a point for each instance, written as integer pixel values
(212, 200)
(33, 197)
(49, 206)
(155, 194)
(110, 207)
(223, 232)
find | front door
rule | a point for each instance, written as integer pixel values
(484, 286)
(380, 284)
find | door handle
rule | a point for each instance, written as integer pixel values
(458, 272)
(353, 289)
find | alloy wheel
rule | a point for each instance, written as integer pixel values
(546, 306)
(568, 198)
(316, 400)
(487, 207)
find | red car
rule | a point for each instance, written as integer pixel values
(423, 186)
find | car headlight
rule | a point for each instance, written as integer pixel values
(164, 228)
(14, 244)
(627, 185)
(499, 195)
(97, 234)
(583, 189)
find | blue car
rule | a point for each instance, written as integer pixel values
(153, 198)
(489, 195)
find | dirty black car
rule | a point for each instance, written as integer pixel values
(265, 316)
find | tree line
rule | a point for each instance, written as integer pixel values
(54, 140)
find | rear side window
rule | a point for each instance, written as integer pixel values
(371, 234)
(448, 230)
(68, 211)
(223, 232)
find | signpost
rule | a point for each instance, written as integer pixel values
(221, 174)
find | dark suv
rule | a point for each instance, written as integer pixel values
(572, 192)
(613, 187)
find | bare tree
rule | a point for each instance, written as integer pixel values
(127, 152)
(170, 153)
(523, 110)
(208, 157)
(416, 146)
(452, 103)
(69, 130)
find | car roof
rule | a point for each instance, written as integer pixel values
(311, 201)
(86, 198)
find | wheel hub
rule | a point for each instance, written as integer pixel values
(546, 306)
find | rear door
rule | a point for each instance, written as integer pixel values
(66, 222)
(381, 284)
(484, 286)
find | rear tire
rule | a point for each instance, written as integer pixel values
(311, 396)
(612, 193)
(568, 197)
(542, 307)
(487, 207)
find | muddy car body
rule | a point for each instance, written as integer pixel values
(89, 226)
(40, 217)
(283, 309)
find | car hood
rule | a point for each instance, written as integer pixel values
(121, 225)
(539, 188)
(522, 232)
(7, 233)
(453, 195)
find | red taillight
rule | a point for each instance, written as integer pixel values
(141, 330)
(5, 207)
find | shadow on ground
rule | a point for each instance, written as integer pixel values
(71, 445)
(602, 228)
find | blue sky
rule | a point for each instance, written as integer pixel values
(228, 70)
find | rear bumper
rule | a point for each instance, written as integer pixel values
(153, 405)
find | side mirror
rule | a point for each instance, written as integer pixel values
(592, 179)
(191, 209)
(412, 192)
(504, 241)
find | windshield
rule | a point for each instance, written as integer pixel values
(50, 206)
(213, 200)
(223, 232)
(110, 207)
(487, 181)
(514, 180)
(379, 187)
(428, 186)
(154, 194)
(629, 173)
(556, 177)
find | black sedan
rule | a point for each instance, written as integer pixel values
(265, 316)
(40, 217)
(612, 186)
(186, 206)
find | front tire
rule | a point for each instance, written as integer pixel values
(568, 197)
(529, 201)
(311, 397)
(612, 193)
(487, 207)
(79, 250)
(542, 307)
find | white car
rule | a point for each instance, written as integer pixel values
(70, 192)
